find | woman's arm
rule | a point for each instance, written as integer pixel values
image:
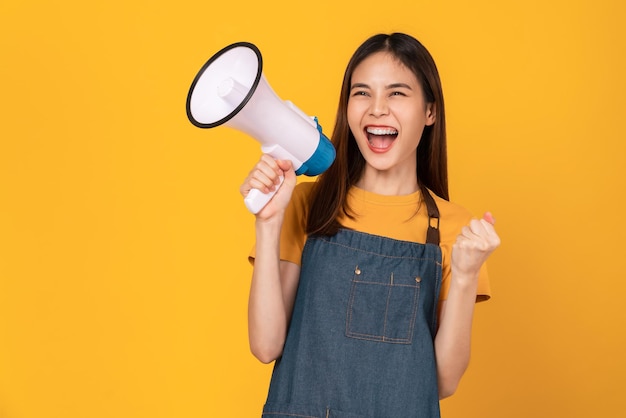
(272, 295)
(274, 282)
(452, 343)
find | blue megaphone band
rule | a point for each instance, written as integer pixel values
(321, 159)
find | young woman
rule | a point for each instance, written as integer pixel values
(365, 281)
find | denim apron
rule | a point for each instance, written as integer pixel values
(360, 342)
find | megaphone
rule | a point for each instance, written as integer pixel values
(231, 90)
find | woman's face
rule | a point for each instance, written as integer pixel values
(387, 113)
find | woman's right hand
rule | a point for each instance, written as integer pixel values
(265, 176)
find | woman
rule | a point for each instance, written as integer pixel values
(365, 282)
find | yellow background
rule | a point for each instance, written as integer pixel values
(123, 239)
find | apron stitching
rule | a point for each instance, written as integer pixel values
(387, 310)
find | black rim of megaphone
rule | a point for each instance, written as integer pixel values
(243, 102)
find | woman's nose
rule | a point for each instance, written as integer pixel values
(379, 107)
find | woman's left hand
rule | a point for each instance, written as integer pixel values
(473, 246)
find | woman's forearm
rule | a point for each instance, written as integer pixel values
(453, 340)
(267, 316)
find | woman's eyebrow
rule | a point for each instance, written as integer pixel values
(388, 87)
(399, 85)
(359, 86)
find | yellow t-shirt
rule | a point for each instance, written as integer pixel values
(387, 216)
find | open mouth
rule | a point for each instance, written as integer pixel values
(380, 139)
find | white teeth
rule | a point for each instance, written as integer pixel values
(382, 131)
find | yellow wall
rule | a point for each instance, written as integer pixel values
(123, 239)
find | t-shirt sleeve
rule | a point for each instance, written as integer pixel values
(293, 232)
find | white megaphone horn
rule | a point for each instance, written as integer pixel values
(231, 90)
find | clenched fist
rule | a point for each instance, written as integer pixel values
(473, 246)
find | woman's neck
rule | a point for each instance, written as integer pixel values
(388, 183)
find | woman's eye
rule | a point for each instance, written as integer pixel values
(359, 93)
(398, 93)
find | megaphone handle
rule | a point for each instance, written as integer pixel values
(256, 199)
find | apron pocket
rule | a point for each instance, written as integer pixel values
(381, 308)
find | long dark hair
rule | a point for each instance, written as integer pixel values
(330, 192)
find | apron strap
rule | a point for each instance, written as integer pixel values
(432, 234)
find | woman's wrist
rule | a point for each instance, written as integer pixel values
(465, 280)
(270, 226)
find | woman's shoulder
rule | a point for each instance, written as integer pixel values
(453, 217)
(301, 197)
(304, 188)
(302, 192)
(451, 209)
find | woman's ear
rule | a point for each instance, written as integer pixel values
(431, 114)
